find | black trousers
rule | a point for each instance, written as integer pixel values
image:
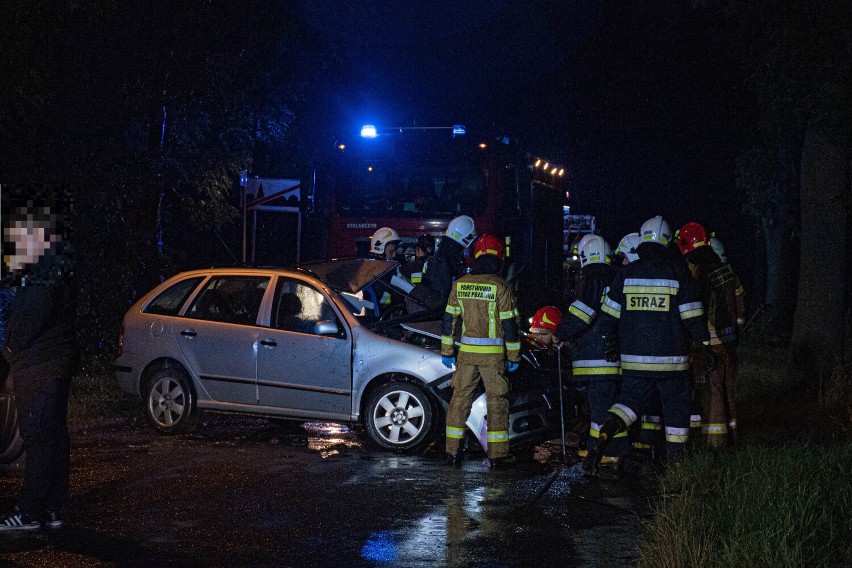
(675, 390)
(41, 395)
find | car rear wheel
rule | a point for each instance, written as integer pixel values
(399, 416)
(170, 401)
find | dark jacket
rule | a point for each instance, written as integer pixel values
(444, 267)
(41, 325)
(654, 309)
(583, 325)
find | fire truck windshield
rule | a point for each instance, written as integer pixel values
(381, 187)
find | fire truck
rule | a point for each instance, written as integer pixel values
(417, 179)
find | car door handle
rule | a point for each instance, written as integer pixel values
(269, 343)
(189, 333)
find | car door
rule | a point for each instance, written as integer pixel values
(297, 368)
(218, 336)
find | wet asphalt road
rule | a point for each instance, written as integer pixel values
(252, 492)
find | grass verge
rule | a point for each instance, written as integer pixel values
(779, 507)
(782, 499)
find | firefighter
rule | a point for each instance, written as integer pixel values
(448, 262)
(543, 326)
(717, 287)
(649, 314)
(649, 438)
(719, 249)
(483, 304)
(383, 246)
(413, 268)
(582, 327)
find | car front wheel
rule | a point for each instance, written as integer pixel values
(399, 416)
(170, 401)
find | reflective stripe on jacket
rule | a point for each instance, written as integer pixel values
(654, 310)
(485, 306)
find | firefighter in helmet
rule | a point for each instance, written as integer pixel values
(718, 288)
(483, 304)
(719, 249)
(582, 327)
(448, 262)
(543, 326)
(650, 312)
(384, 244)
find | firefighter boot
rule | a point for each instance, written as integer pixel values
(455, 458)
(611, 426)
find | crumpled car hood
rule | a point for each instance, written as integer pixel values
(350, 275)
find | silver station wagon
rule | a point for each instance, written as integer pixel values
(295, 343)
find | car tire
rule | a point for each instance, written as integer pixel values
(170, 401)
(399, 416)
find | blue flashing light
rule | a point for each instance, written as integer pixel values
(368, 131)
(458, 130)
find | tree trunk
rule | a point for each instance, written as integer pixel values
(779, 231)
(819, 329)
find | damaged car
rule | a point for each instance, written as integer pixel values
(304, 344)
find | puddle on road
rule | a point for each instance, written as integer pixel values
(329, 437)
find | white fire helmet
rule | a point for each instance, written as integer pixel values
(718, 248)
(628, 245)
(593, 249)
(381, 238)
(462, 230)
(656, 230)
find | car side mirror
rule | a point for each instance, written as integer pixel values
(326, 327)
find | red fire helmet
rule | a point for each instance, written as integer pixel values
(692, 236)
(488, 244)
(548, 317)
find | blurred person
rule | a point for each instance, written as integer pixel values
(482, 304)
(42, 351)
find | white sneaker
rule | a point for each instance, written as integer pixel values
(19, 522)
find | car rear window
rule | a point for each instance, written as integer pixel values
(168, 303)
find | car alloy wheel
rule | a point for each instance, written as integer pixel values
(399, 416)
(170, 401)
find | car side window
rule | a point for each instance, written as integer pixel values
(298, 307)
(169, 301)
(230, 299)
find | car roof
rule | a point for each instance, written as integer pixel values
(343, 275)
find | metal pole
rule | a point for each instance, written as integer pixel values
(298, 237)
(561, 405)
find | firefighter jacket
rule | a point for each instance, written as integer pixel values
(489, 329)
(584, 323)
(654, 309)
(723, 298)
(441, 269)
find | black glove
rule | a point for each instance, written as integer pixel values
(611, 351)
(709, 359)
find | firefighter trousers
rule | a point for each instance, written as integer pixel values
(464, 383)
(675, 391)
(719, 405)
(602, 393)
